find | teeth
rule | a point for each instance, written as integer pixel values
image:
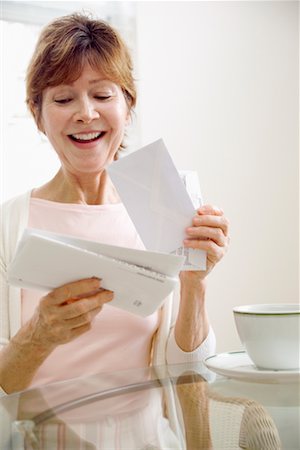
(86, 137)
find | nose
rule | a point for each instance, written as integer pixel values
(85, 111)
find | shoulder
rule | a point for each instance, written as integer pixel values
(14, 219)
(13, 210)
(19, 201)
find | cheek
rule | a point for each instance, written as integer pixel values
(119, 115)
(52, 124)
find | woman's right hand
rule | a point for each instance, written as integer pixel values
(61, 316)
(67, 312)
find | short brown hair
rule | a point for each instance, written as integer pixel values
(65, 45)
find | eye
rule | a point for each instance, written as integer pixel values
(103, 97)
(63, 101)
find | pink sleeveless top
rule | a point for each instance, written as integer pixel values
(117, 340)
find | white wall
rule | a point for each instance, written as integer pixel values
(219, 82)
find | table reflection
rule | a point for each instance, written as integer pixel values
(169, 407)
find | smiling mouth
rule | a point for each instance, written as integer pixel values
(86, 138)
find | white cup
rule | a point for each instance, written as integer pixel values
(270, 334)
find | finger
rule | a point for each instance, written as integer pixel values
(215, 234)
(73, 290)
(212, 221)
(214, 254)
(85, 295)
(84, 305)
(209, 246)
(214, 251)
(210, 209)
(83, 319)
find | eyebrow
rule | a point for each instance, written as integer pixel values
(90, 82)
(96, 81)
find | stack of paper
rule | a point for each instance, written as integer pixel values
(140, 280)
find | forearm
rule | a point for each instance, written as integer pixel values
(19, 361)
(192, 325)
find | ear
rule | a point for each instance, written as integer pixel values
(40, 126)
(37, 116)
(40, 122)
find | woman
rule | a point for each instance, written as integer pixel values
(81, 92)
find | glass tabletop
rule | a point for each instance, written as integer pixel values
(182, 406)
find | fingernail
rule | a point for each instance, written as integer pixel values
(110, 295)
(100, 289)
(98, 280)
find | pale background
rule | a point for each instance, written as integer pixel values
(219, 82)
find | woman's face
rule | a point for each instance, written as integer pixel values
(85, 121)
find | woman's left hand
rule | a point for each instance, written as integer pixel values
(209, 232)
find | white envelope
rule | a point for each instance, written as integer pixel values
(140, 280)
(156, 199)
(154, 196)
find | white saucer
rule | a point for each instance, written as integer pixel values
(238, 365)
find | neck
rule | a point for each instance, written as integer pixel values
(87, 189)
